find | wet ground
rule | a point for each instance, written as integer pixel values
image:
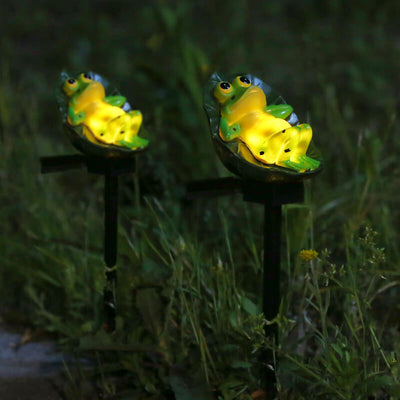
(29, 369)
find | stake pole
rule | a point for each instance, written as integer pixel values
(110, 168)
(110, 245)
(272, 261)
(272, 195)
(110, 219)
(271, 281)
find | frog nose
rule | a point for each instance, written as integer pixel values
(95, 86)
(252, 98)
(253, 90)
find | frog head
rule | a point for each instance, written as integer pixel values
(83, 90)
(239, 97)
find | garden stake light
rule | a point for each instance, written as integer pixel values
(272, 196)
(256, 134)
(257, 137)
(105, 130)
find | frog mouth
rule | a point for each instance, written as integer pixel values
(94, 86)
(251, 92)
(95, 89)
(252, 98)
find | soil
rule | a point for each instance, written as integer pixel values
(29, 369)
(25, 388)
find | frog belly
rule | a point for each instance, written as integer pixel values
(106, 122)
(98, 116)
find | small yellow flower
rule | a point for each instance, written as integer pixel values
(308, 255)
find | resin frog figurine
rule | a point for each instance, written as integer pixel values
(270, 138)
(101, 115)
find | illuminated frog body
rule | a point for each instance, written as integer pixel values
(101, 115)
(263, 129)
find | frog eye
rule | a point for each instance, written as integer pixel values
(225, 87)
(71, 82)
(222, 91)
(70, 86)
(86, 78)
(243, 81)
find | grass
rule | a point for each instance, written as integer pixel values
(188, 292)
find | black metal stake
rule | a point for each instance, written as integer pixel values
(272, 260)
(110, 219)
(271, 282)
(110, 168)
(272, 196)
(110, 247)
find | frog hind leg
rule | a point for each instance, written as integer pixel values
(289, 147)
(136, 121)
(104, 132)
(277, 147)
(302, 164)
(304, 139)
(117, 128)
(130, 138)
(298, 157)
(134, 143)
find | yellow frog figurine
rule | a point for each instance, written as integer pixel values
(101, 115)
(270, 138)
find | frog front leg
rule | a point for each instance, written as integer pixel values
(228, 132)
(75, 118)
(117, 101)
(279, 110)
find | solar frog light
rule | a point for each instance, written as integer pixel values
(101, 124)
(270, 138)
(257, 136)
(96, 123)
